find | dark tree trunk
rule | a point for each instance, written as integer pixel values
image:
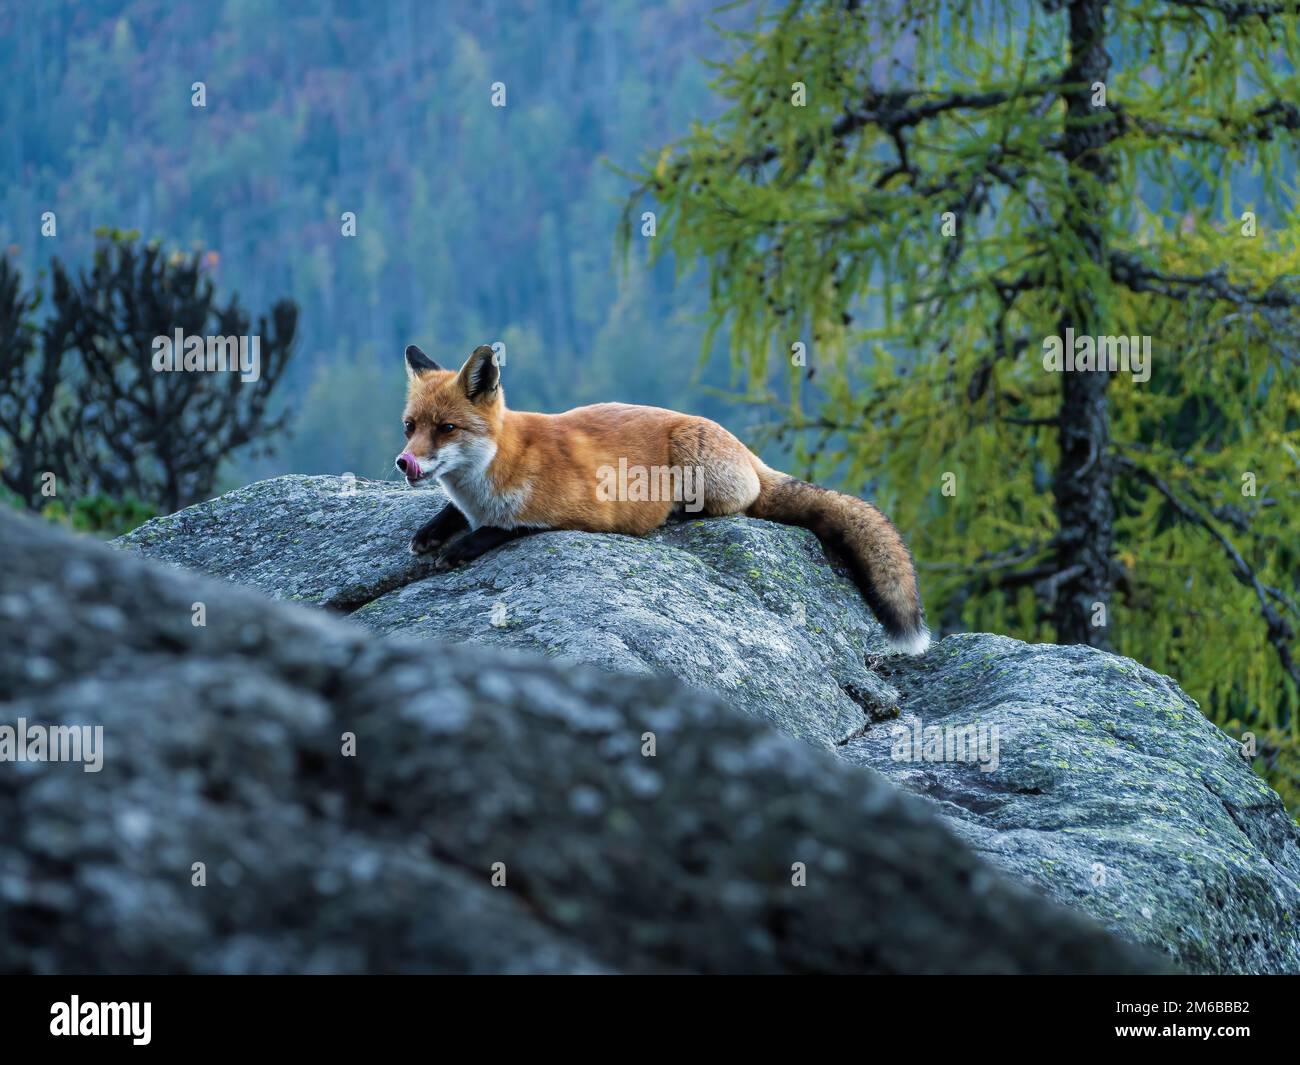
(1083, 479)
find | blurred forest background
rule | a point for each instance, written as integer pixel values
(473, 223)
(867, 218)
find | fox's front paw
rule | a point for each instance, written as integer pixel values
(421, 545)
(454, 555)
(426, 540)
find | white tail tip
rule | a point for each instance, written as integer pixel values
(912, 643)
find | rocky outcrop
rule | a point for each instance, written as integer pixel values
(746, 609)
(1111, 793)
(282, 790)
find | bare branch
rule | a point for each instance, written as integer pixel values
(1238, 10)
(1131, 272)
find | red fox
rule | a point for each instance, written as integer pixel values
(615, 467)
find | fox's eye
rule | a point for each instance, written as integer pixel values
(409, 426)
(445, 428)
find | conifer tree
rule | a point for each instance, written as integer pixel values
(922, 201)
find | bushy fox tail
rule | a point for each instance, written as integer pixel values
(864, 538)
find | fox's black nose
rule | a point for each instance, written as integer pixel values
(403, 462)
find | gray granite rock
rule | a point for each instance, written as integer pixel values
(1113, 794)
(226, 743)
(328, 541)
(746, 609)
(1111, 790)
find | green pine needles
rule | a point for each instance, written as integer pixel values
(926, 225)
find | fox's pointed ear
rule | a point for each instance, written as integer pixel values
(480, 376)
(417, 362)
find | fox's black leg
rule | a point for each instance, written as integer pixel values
(479, 542)
(436, 532)
(678, 516)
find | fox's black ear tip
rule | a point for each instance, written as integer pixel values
(418, 360)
